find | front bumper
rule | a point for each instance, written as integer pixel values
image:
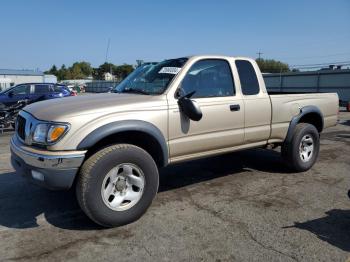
(54, 170)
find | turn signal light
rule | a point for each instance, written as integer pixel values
(55, 133)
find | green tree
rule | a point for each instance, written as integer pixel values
(62, 73)
(53, 70)
(123, 71)
(104, 68)
(95, 73)
(75, 72)
(80, 70)
(83, 69)
(272, 66)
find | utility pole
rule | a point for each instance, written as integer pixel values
(259, 53)
(109, 40)
(110, 68)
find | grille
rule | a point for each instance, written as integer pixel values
(21, 124)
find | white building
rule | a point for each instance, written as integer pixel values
(50, 79)
(108, 76)
(5, 83)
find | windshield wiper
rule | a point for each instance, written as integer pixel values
(134, 90)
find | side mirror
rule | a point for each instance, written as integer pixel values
(10, 94)
(190, 108)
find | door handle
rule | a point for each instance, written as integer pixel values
(235, 107)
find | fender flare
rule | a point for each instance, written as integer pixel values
(295, 120)
(123, 126)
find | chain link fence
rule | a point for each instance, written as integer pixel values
(100, 86)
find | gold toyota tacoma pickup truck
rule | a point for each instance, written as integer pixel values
(110, 146)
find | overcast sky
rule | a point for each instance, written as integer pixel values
(37, 34)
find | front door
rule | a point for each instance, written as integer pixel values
(15, 94)
(222, 124)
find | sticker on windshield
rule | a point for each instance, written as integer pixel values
(169, 70)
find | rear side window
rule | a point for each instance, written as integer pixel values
(41, 89)
(247, 75)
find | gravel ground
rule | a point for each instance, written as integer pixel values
(244, 206)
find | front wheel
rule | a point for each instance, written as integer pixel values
(117, 184)
(301, 152)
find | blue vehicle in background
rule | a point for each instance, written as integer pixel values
(33, 92)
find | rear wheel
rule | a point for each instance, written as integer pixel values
(302, 151)
(117, 184)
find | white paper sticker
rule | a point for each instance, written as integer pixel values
(169, 70)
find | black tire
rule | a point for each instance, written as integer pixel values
(91, 177)
(290, 151)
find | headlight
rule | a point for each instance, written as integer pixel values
(47, 133)
(40, 133)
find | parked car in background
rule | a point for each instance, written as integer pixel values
(33, 92)
(73, 89)
(70, 87)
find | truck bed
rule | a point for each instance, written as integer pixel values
(286, 105)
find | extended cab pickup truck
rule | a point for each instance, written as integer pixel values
(110, 146)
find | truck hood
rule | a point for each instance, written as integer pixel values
(106, 103)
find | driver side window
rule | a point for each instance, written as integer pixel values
(21, 90)
(209, 78)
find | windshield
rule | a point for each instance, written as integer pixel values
(151, 79)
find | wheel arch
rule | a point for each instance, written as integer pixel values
(308, 114)
(136, 132)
